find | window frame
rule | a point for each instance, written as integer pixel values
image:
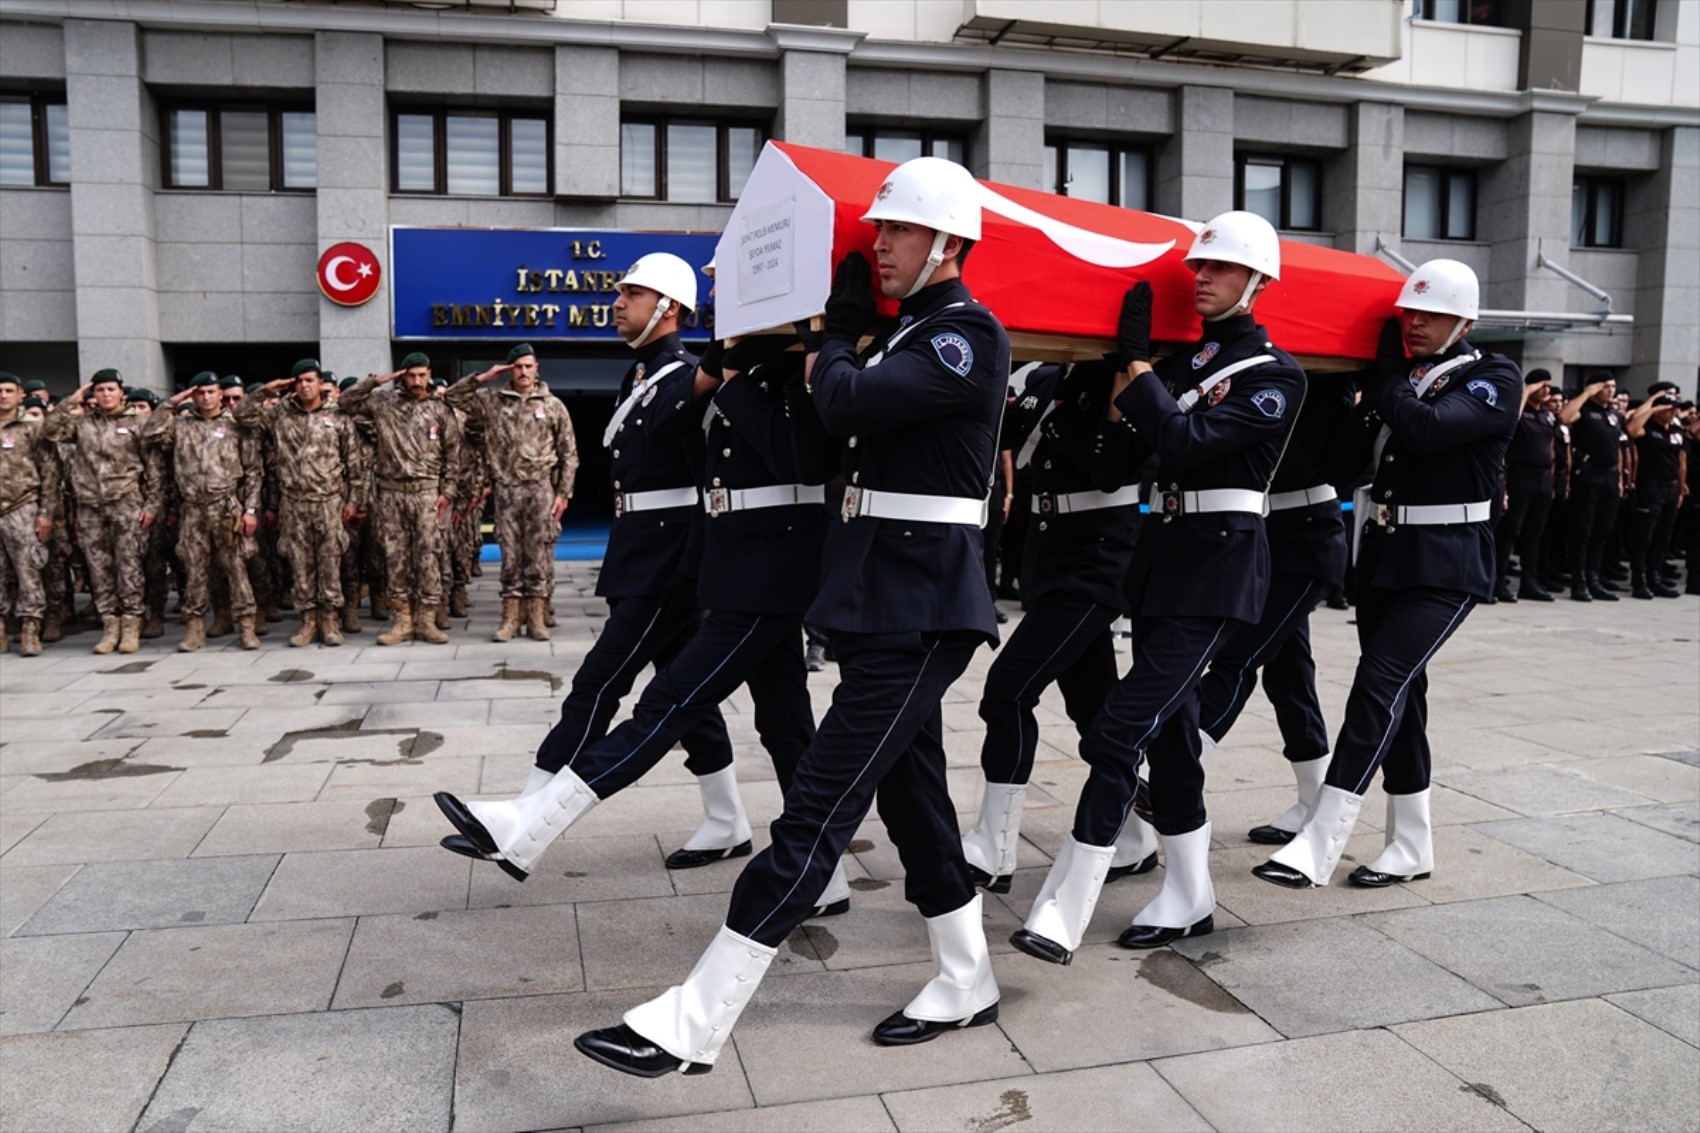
(1591, 184)
(931, 136)
(1447, 175)
(1619, 21)
(722, 152)
(505, 117)
(1286, 163)
(38, 102)
(213, 109)
(1424, 10)
(1117, 149)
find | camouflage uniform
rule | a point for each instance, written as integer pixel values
(217, 469)
(360, 563)
(107, 468)
(29, 487)
(418, 453)
(56, 578)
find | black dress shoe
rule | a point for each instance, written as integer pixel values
(901, 1030)
(1117, 872)
(984, 880)
(1503, 592)
(457, 844)
(1271, 835)
(1531, 591)
(1373, 879)
(1003, 618)
(1600, 591)
(474, 837)
(1664, 589)
(1278, 874)
(692, 859)
(1041, 948)
(1579, 593)
(625, 1049)
(835, 909)
(1152, 936)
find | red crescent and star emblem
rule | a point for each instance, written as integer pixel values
(349, 274)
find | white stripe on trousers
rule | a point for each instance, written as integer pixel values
(1387, 736)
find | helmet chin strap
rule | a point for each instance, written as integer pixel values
(661, 305)
(1246, 298)
(1457, 333)
(934, 259)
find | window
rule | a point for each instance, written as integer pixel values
(1440, 203)
(1110, 174)
(685, 160)
(241, 148)
(35, 140)
(495, 153)
(901, 145)
(1481, 13)
(1619, 19)
(1287, 192)
(1596, 213)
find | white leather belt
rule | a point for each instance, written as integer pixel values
(1068, 502)
(1432, 515)
(719, 501)
(658, 500)
(1170, 504)
(1283, 501)
(880, 504)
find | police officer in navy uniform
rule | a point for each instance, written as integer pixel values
(1596, 488)
(654, 547)
(1217, 416)
(1438, 426)
(1083, 521)
(904, 599)
(1529, 491)
(1307, 556)
(1660, 475)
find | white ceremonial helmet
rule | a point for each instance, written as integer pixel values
(708, 268)
(1239, 237)
(1443, 287)
(667, 275)
(932, 193)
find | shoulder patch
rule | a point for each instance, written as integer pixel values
(1270, 402)
(1202, 358)
(953, 350)
(1483, 390)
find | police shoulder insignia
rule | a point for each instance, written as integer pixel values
(1270, 402)
(1202, 358)
(1029, 403)
(1483, 390)
(953, 350)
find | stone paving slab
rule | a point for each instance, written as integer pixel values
(154, 894)
(281, 828)
(1604, 847)
(26, 888)
(1662, 914)
(40, 977)
(1655, 776)
(15, 828)
(1672, 1009)
(83, 1079)
(338, 883)
(124, 835)
(1106, 1098)
(640, 943)
(226, 786)
(1680, 819)
(1540, 789)
(584, 869)
(839, 1115)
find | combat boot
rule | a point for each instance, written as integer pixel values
(53, 629)
(108, 635)
(1638, 586)
(221, 622)
(536, 618)
(459, 607)
(29, 638)
(510, 620)
(380, 602)
(5, 641)
(245, 627)
(548, 612)
(400, 627)
(194, 635)
(440, 616)
(153, 624)
(329, 632)
(426, 627)
(351, 617)
(129, 633)
(309, 631)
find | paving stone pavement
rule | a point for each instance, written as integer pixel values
(223, 907)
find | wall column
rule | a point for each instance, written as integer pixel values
(1009, 145)
(1195, 169)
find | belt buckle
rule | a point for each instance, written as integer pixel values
(1047, 503)
(1383, 515)
(719, 501)
(619, 504)
(852, 505)
(1171, 502)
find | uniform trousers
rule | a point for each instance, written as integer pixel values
(525, 531)
(764, 651)
(22, 557)
(881, 741)
(1279, 645)
(638, 631)
(1153, 711)
(411, 539)
(311, 536)
(1652, 518)
(1386, 722)
(1062, 639)
(1593, 513)
(208, 540)
(111, 538)
(1525, 519)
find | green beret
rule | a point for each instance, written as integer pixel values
(35, 385)
(303, 366)
(519, 352)
(204, 378)
(254, 389)
(103, 376)
(347, 383)
(415, 359)
(439, 383)
(147, 396)
(326, 376)
(34, 403)
(230, 381)
(10, 379)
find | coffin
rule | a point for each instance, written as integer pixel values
(1051, 268)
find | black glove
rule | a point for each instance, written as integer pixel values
(808, 336)
(1390, 360)
(713, 361)
(754, 349)
(850, 307)
(1133, 330)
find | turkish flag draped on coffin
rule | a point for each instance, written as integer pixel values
(1051, 268)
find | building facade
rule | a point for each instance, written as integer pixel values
(171, 171)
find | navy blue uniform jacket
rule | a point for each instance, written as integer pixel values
(1311, 541)
(1212, 564)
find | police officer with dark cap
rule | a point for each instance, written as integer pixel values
(1595, 485)
(904, 598)
(1529, 492)
(1660, 480)
(1436, 427)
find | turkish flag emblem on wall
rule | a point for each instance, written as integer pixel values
(349, 274)
(1053, 269)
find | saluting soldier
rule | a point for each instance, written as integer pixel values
(358, 553)
(532, 458)
(29, 501)
(216, 465)
(903, 595)
(322, 487)
(1217, 419)
(1661, 475)
(108, 468)
(1529, 492)
(158, 559)
(417, 453)
(1440, 424)
(1596, 486)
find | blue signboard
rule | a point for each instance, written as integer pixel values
(538, 284)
